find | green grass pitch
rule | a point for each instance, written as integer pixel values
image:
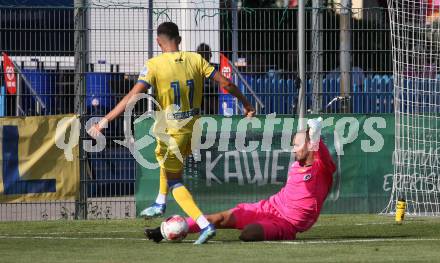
(334, 238)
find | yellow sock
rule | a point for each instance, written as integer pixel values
(163, 183)
(184, 198)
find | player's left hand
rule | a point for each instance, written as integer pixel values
(97, 128)
(249, 110)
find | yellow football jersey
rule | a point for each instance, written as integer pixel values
(177, 79)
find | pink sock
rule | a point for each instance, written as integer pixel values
(192, 225)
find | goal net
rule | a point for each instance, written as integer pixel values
(415, 33)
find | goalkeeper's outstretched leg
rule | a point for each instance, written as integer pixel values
(226, 219)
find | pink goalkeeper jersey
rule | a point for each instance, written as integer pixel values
(301, 199)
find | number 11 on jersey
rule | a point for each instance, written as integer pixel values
(177, 92)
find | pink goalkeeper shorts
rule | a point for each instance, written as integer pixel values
(262, 213)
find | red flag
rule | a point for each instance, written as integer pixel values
(433, 10)
(293, 3)
(8, 68)
(225, 69)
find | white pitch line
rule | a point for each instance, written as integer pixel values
(69, 238)
(341, 241)
(79, 232)
(298, 242)
(90, 238)
(356, 224)
(368, 224)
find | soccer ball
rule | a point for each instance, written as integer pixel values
(174, 228)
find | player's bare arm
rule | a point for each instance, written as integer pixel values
(117, 110)
(230, 87)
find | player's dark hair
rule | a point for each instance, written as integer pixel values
(168, 29)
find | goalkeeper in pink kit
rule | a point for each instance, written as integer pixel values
(295, 208)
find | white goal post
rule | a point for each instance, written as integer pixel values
(415, 31)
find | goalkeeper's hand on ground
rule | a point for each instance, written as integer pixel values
(153, 234)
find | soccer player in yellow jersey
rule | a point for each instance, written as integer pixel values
(177, 80)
